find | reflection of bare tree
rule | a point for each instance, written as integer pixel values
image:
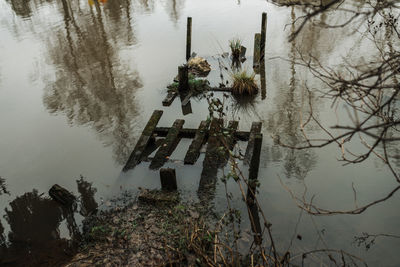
(91, 86)
(87, 192)
(366, 83)
(3, 187)
(174, 8)
(34, 223)
(21, 7)
(42, 215)
(285, 124)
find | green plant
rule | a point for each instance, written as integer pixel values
(244, 83)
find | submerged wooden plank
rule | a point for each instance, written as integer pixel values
(193, 152)
(143, 141)
(168, 146)
(212, 158)
(169, 99)
(191, 133)
(230, 139)
(255, 129)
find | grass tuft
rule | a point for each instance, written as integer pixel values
(244, 83)
(236, 47)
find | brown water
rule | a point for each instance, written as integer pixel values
(78, 81)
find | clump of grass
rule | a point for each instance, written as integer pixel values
(236, 47)
(244, 83)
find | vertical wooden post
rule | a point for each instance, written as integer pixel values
(251, 190)
(256, 55)
(262, 79)
(255, 158)
(168, 179)
(188, 37)
(183, 79)
(263, 34)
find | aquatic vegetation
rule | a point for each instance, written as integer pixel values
(236, 47)
(195, 85)
(244, 83)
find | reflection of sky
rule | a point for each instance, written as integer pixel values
(39, 147)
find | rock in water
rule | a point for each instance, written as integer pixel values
(199, 66)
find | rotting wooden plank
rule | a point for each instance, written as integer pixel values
(230, 139)
(255, 129)
(169, 99)
(212, 158)
(257, 52)
(143, 141)
(193, 152)
(191, 133)
(168, 146)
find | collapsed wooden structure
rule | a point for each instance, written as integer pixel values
(206, 133)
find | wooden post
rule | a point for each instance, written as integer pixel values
(251, 190)
(263, 35)
(254, 130)
(168, 179)
(263, 80)
(183, 79)
(188, 37)
(255, 158)
(256, 56)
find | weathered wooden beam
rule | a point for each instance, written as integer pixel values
(169, 99)
(193, 152)
(168, 179)
(188, 37)
(191, 133)
(144, 139)
(229, 139)
(263, 80)
(212, 158)
(257, 51)
(263, 35)
(168, 146)
(255, 129)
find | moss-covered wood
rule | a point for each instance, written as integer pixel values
(255, 129)
(193, 152)
(168, 146)
(143, 141)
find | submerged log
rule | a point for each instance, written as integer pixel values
(168, 179)
(143, 141)
(193, 152)
(168, 146)
(255, 129)
(62, 195)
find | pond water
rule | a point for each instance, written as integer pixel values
(79, 80)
